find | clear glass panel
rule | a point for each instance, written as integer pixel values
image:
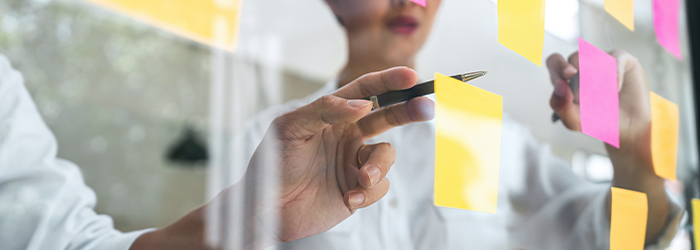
(161, 125)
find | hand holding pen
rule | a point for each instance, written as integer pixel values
(421, 89)
(565, 100)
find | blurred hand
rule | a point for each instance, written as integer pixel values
(635, 112)
(321, 180)
(632, 163)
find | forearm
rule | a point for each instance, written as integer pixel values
(186, 233)
(256, 231)
(640, 177)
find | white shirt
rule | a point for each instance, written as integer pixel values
(542, 204)
(44, 203)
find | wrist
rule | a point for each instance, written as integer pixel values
(246, 219)
(186, 233)
(638, 180)
(636, 174)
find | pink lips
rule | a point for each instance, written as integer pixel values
(404, 25)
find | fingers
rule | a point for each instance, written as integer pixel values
(415, 110)
(376, 83)
(560, 68)
(573, 59)
(563, 98)
(305, 121)
(377, 159)
(309, 119)
(564, 106)
(361, 197)
(626, 62)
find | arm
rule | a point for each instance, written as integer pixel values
(44, 203)
(632, 163)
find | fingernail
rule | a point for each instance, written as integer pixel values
(571, 70)
(358, 103)
(560, 89)
(374, 174)
(356, 199)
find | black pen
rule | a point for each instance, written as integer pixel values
(421, 89)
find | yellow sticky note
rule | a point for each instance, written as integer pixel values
(664, 136)
(468, 145)
(628, 219)
(210, 22)
(521, 27)
(696, 221)
(622, 10)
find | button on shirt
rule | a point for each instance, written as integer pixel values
(542, 204)
(44, 202)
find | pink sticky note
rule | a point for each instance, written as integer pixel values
(666, 25)
(420, 2)
(598, 95)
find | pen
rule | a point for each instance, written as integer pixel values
(573, 84)
(421, 89)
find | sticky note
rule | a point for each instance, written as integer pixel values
(622, 10)
(598, 96)
(420, 2)
(696, 221)
(468, 145)
(210, 22)
(521, 27)
(666, 25)
(664, 136)
(628, 219)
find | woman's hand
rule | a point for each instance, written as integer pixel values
(321, 180)
(632, 163)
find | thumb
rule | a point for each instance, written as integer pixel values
(312, 118)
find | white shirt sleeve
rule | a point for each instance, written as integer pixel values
(557, 209)
(44, 202)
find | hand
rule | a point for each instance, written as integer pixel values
(321, 181)
(632, 163)
(635, 114)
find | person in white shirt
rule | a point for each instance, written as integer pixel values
(45, 205)
(542, 204)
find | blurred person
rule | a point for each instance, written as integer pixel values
(542, 204)
(45, 204)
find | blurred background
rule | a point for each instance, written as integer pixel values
(141, 110)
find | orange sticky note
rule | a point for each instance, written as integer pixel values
(664, 136)
(622, 10)
(521, 27)
(468, 145)
(628, 219)
(696, 221)
(210, 22)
